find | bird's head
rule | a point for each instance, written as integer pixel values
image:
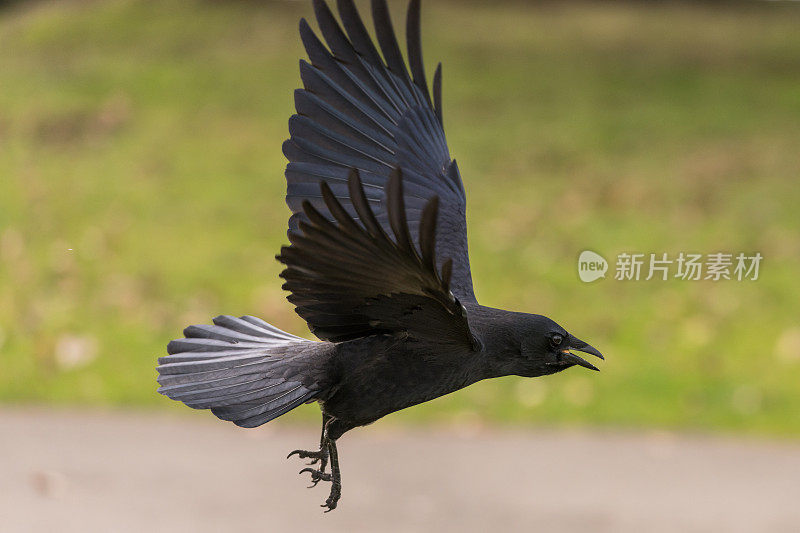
(547, 348)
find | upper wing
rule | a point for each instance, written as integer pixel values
(351, 280)
(360, 111)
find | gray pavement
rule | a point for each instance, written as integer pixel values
(120, 472)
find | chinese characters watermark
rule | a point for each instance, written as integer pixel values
(662, 267)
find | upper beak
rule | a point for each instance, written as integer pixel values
(577, 344)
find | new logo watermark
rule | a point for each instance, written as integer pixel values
(591, 266)
(683, 266)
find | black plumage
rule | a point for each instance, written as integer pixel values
(378, 263)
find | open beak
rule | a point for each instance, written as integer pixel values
(579, 345)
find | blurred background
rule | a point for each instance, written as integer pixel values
(141, 190)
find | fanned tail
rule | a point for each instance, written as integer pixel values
(243, 369)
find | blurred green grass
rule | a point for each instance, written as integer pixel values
(141, 190)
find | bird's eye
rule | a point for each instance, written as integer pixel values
(556, 340)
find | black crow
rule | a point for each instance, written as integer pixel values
(377, 265)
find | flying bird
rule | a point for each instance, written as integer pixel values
(378, 263)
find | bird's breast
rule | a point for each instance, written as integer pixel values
(381, 377)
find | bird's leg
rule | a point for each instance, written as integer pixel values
(324, 459)
(327, 450)
(336, 478)
(320, 456)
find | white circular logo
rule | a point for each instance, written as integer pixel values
(591, 266)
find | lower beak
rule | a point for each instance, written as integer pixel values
(579, 345)
(570, 358)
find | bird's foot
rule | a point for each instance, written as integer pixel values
(327, 452)
(320, 457)
(317, 476)
(333, 498)
(316, 457)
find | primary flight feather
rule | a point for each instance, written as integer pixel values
(378, 263)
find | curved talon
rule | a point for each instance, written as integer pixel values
(333, 497)
(316, 476)
(330, 503)
(305, 454)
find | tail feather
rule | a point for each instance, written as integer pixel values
(224, 334)
(250, 325)
(182, 391)
(243, 369)
(218, 367)
(195, 345)
(185, 356)
(207, 398)
(287, 395)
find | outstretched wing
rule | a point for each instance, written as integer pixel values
(351, 280)
(358, 110)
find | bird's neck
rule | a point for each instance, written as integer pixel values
(499, 334)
